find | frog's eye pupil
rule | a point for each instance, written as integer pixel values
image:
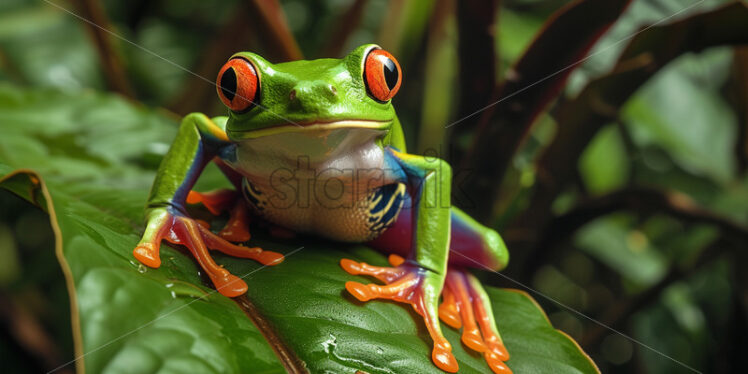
(238, 84)
(390, 74)
(228, 84)
(382, 75)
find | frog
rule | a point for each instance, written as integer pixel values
(315, 147)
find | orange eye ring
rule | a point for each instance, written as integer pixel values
(382, 75)
(237, 84)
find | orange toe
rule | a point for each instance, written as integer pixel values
(448, 311)
(449, 317)
(203, 223)
(270, 258)
(497, 349)
(395, 260)
(193, 197)
(230, 285)
(496, 364)
(444, 359)
(147, 254)
(235, 235)
(473, 340)
(215, 201)
(359, 291)
(350, 266)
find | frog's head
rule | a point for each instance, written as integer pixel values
(266, 98)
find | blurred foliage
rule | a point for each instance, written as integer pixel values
(665, 277)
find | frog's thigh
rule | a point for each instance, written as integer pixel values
(474, 245)
(471, 244)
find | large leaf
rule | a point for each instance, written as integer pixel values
(92, 158)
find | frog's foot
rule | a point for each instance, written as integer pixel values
(466, 305)
(409, 284)
(216, 201)
(179, 229)
(237, 227)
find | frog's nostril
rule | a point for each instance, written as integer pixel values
(333, 90)
(292, 95)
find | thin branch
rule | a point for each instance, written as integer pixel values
(346, 24)
(108, 56)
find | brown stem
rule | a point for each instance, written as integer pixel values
(98, 22)
(740, 90)
(30, 334)
(10, 68)
(346, 24)
(233, 37)
(286, 356)
(530, 85)
(276, 36)
(476, 25)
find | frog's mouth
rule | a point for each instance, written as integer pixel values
(311, 126)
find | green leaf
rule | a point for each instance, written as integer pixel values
(701, 141)
(621, 248)
(604, 164)
(90, 173)
(62, 55)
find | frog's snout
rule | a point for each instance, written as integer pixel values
(308, 95)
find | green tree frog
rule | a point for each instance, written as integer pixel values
(315, 147)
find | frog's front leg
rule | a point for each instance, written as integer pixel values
(419, 280)
(199, 140)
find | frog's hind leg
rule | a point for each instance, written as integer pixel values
(216, 201)
(464, 302)
(473, 245)
(237, 227)
(466, 305)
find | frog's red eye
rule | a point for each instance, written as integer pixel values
(237, 84)
(382, 75)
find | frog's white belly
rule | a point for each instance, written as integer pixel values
(329, 182)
